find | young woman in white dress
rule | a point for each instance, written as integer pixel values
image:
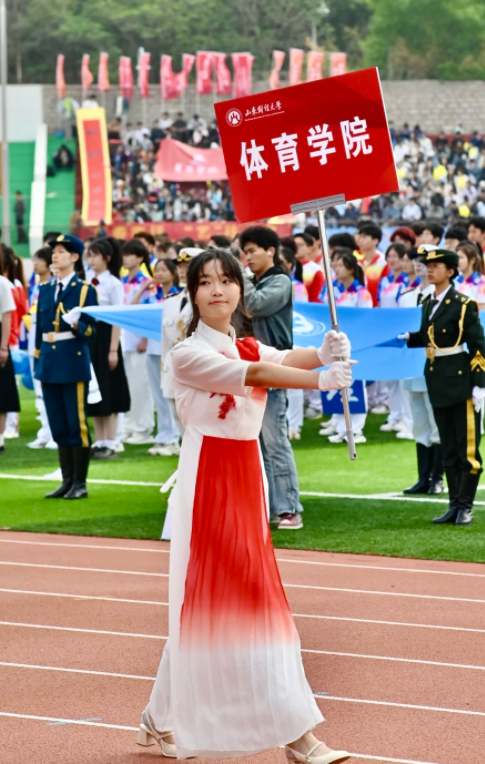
(231, 680)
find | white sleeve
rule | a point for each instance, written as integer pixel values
(117, 292)
(7, 302)
(270, 354)
(209, 371)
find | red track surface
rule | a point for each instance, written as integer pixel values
(395, 647)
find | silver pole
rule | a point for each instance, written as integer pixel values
(3, 110)
(334, 319)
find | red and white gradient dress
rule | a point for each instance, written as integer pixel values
(231, 679)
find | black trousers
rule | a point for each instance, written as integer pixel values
(66, 411)
(459, 428)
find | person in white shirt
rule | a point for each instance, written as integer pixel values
(90, 102)
(104, 346)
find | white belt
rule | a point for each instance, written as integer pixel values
(58, 336)
(452, 351)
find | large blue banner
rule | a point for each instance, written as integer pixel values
(373, 334)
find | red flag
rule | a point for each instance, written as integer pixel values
(204, 72)
(223, 75)
(188, 61)
(144, 74)
(86, 74)
(242, 64)
(171, 85)
(274, 79)
(314, 65)
(103, 74)
(296, 66)
(126, 77)
(338, 64)
(60, 82)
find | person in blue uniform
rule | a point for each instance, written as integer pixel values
(62, 362)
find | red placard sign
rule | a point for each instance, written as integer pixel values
(307, 142)
(95, 166)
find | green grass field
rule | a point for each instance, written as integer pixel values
(365, 526)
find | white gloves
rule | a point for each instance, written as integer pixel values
(335, 345)
(404, 336)
(73, 316)
(337, 376)
(478, 397)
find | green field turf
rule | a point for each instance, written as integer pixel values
(21, 170)
(366, 526)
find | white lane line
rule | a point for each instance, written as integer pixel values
(315, 652)
(388, 623)
(87, 570)
(85, 546)
(389, 704)
(378, 497)
(85, 723)
(49, 479)
(381, 594)
(83, 597)
(318, 697)
(7, 664)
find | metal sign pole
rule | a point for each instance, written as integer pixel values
(3, 115)
(320, 205)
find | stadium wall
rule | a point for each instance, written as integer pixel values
(432, 104)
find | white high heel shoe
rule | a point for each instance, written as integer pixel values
(148, 735)
(332, 757)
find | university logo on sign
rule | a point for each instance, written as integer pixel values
(317, 140)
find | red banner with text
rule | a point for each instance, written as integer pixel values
(125, 74)
(95, 166)
(314, 65)
(60, 82)
(86, 74)
(307, 142)
(278, 59)
(242, 63)
(338, 64)
(296, 66)
(223, 75)
(197, 231)
(144, 74)
(103, 74)
(204, 72)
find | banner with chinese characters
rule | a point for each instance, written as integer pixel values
(144, 74)
(332, 400)
(338, 64)
(314, 65)
(223, 75)
(204, 72)
(95, 166)
(242, 64)
(199, 231)
(103, 75)
(314, 140)
(60, 82)
(125, 77)
(86, 74)
(278, 59)
(296, 66)
(180, 163)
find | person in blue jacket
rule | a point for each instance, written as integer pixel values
(62, 362)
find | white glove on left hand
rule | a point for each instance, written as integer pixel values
(73, 316)
(404, 336)
(478, 397)
(335, 345)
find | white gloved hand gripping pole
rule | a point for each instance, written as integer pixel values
(327, 267)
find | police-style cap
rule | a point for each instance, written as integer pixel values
(439, 255)
(71, 243)
(187, 253)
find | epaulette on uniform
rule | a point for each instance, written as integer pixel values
(169, 296)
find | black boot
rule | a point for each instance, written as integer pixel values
(436, 485)
(81, 464)
(424, 455)
(468, 489)
(453, 477)
(66, 459)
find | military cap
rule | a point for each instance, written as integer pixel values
(71, 243)
(187, 253)
(439, 255)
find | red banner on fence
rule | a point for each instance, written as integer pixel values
(86, 74)
(103, 74)
(125, 74)
(179, 162)
(274, 79)
(60, 82)
(95, 166)
(144, 74)
(314, 65)
(242, 64)
(338, 64)
(307, 142)
(223, 75)
(296, 66)
(204, 72)
(188, 61)
(175, 231)
(173, 85)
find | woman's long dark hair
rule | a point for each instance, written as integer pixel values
(170, 266)
(351, 263)
(290, 258)
(470, 250)
(110, 251)
(137, 248)
(231, 269)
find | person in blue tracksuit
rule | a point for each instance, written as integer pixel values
(62, 362)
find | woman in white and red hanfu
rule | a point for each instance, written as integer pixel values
(231, 680)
